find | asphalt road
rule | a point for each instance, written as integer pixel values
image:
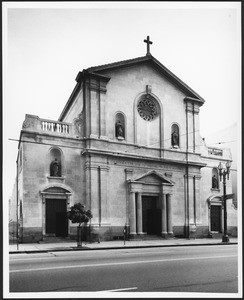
(211, 269)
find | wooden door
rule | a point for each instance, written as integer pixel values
(215, 216)
(56, 217)
(154, 221)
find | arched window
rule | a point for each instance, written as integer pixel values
(55, 164)
(175, 136)
(215, 179)
(120, 126)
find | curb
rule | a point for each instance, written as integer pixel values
(119, 247)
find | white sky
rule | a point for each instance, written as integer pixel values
(47, 43)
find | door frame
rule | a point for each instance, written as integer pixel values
(220, 218)
(59, 193)
(216, 201)
(157, 206)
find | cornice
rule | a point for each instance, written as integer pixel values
(85, 74)
(141, 157)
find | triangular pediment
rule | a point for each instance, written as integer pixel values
(102, 74)
(154, 177)
(152, 61)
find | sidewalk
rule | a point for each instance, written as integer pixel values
(118, 244)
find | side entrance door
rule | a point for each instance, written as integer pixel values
(215, 216)
(56, 217)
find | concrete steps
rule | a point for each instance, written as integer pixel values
(54, 239)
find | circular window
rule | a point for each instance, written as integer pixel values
(147, 109)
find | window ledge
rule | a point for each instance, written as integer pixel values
(120, 138)
(53, 178)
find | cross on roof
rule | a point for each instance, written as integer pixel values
(148, 45)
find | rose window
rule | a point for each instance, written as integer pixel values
(147, 109)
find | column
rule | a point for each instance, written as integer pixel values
(67, 209)
(169, 213)
(164, 216)
(139, 214)
(43, 214)
(132, 216)
(128, 175)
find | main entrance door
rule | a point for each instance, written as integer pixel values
(215, 216)
(56, 217)
(151, 215)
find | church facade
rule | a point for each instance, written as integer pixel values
(127, 146)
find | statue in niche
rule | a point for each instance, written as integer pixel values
(119, 130)
(175, 138)
(55, 168)
(215, 184)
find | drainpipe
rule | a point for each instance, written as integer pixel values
(84, 102)
(17, 203)
(194, 138)
(187, 177)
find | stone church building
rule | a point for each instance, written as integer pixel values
(126, 145)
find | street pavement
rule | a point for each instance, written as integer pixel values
(71, 245)
(202, 269)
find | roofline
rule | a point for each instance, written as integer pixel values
(94, 72)
(117, 64)
(69, 102)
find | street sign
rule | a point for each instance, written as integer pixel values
(228, 196)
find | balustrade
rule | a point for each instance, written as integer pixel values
(53, 126)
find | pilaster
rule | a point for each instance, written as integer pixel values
(95, 201)
(197, 137)
(191, 200)
(94, 112)
(189, 124)
(197, 191)
(94, 90)
(103, 133)
(104, 213)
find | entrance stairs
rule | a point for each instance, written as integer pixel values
(150, 237)
(55, 239)
(216, 235)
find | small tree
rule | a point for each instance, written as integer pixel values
(78, 214)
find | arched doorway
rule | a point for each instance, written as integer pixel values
(55, 202)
